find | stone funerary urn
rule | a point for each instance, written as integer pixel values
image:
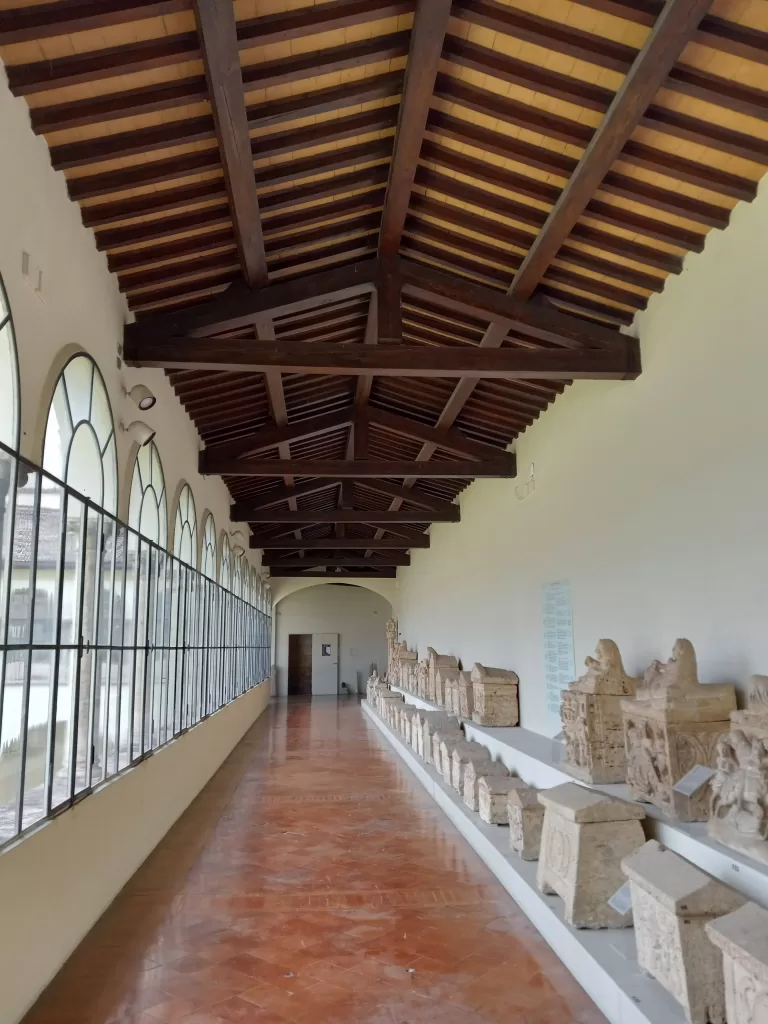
(590, 712)
(672, 725)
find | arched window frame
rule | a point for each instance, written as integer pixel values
(71, 411)
(9, 368)
(208, 558)
(186, 527)
(148, 483)
(225, 569)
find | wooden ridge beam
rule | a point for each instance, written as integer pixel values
(346, 515)
(449, 439)
(221, 60)
(270, 545)
(430, 24)
(341, 469)
(271, 437)
(621, 362)
(373, 572)
(675, 26)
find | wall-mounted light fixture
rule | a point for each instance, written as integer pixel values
(140, 432)
(237, 539)
(141, 395)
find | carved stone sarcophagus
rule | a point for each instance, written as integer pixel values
(494, 692)
(741, 937)
(465, 695)
(590, 711)
(463, 754)
(738, 814)
(445, 677)
(492, 794)
(435, 662)
(672, 725)
(586, 836)
(432, 722)
(672, 901)
(392, 666)
(406, 668)
(526, 819)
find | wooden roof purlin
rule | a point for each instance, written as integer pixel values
(370, 241)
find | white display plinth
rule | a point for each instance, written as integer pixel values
(603, 962)
(536, 760)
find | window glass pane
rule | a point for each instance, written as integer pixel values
(10, 741)
(38, 716)
(84, 470)
(147, 511)
(78, 380)
(9, 409)
(101, 414)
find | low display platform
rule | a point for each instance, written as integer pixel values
(603, 962)
(536, 759)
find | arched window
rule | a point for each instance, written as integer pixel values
(255, 588)
(9, 376)
(80, 435)
(148, 509)
(185, 531)
(225, 573)
(209, 548)
(237, 576)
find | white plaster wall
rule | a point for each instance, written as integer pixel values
(359, 617)
(651, 498)
(56, 883)
(80, 308)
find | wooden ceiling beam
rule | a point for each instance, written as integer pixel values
(271, 545)
(430, 24)
(271, 437)
(221, 60)
(339, 469)
(449, 439)
(332, 575)
(347, 515)
(415, 495)
(675, 26)
(277, 561)
(277, 496)
(621, 362)
(241, 307)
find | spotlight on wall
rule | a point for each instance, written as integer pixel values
(141, 395)
(140, 432)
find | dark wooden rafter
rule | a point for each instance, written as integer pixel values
(221, 60)
(339, 469)
(430, 24)
(675, 26)
(334, 574)
(346, 515)
(278, 559)
(332, 543)
(271, 437)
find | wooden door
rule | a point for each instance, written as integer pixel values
(300, 664)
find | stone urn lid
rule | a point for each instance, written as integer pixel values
(525, 797)
(497, 783)
(587, 806)
(493, 676)
(470, 749)
(743, 935)
(677, 884)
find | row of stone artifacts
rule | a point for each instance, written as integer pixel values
(697, 937)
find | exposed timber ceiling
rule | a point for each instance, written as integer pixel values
(371, 242)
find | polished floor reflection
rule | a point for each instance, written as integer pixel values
(313, 881)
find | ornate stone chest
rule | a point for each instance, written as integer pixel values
(436, 662)
(492, 794)
(738, 813)
(451, 732)
(743, 938)
(590, 711)
(461, 755)
(464, 697)
(392, 666)
(586, 835)
(474, 774)
(495, 696)
(672, 725)
(672, 901)
(431, 721)
(407, 662)
(526, 819)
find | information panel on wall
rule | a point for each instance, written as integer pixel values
(559, 657)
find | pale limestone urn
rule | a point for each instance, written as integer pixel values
(406, 661)
(525, 816)
(738, 810)
(445, 677)
(585, 837)
(590, 712)
(422, 679)
(431, 721)
(461, 755)
(435, 662)
(494, 693)
(447, 746)
(742, 937)
(450, 731)
(493, 794)
(672, 725)
(465, 695)
(672, 902)
(474, 772)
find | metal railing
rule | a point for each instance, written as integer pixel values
(109, 646)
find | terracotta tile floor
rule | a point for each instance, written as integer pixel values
(313, 882)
